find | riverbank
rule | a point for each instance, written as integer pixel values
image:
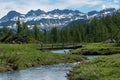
(21, 56)
(98, 49)
(101, 68)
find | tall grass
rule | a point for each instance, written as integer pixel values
(102, 68)
(20, 56)
(98, 49)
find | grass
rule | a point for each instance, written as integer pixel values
(21, 56)
(98, 49)
(101, 68)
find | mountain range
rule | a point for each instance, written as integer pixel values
(57, 17)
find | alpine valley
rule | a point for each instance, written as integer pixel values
(55, 18)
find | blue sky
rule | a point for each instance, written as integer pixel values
(24, 6)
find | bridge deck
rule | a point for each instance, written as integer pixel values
(70, 47)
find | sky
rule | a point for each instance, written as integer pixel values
(23, 6)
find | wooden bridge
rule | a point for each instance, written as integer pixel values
(57, 47)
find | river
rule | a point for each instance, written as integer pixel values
(49, 72)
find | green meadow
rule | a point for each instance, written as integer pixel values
(21, 56)
(105, 67)
(98, 49)
(101, 68)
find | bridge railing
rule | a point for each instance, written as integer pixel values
(59, 46)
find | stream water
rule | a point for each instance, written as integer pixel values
(62, 51)
(50, 72)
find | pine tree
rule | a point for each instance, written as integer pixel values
(19, 28)
(45, 36)
(5, 31)
(36, 32)
(25, 29)
(54, 35)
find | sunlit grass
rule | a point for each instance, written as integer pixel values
(102, 68)
(20, 56)
(98, 48)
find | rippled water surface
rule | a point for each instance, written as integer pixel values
(51, 72)
(62, 51)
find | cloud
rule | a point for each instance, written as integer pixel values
(111, 4)
(103, 6)
(116, 1)
(24, 6)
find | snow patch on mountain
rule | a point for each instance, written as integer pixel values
(52, 18)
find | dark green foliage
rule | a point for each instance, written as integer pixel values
(25, 29)
(36, 32)
(54, 35)
(45, 36)
(19, 28)
(6, 34)
(98, 30)
(105, 29)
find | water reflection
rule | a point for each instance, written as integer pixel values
(92, 56)
(62, 51)
(51, 72)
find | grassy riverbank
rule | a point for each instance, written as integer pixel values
(21, 56)
(98, 49)
(102, 68)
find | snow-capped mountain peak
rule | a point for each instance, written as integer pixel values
(34, 13)
(12, 15)
(107, 10)
(52, 18)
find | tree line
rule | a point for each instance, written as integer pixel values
(97, 30)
